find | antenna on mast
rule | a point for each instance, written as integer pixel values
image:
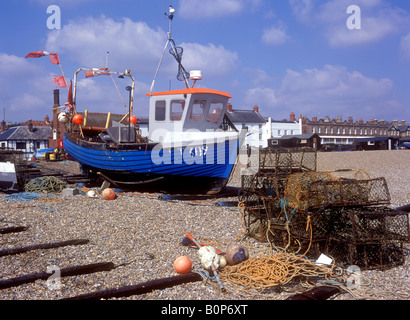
(175, 51)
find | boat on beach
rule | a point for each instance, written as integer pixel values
(190, 147)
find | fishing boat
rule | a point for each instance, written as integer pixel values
(190, 147)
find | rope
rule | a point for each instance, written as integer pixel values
(277, 269)
(47, 184)
(23, 196)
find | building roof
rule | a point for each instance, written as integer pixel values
(245, 116)
(23, 133)
(6, 134)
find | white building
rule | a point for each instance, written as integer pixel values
(261, 129)
(280, 128)
(256, 124)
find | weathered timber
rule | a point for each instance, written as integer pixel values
(12, 229)
(405, 208)
(74, 242)
(141, 288)
(65, 272)
(320, 293)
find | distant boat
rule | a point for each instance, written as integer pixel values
(191, 146)
(8, 177)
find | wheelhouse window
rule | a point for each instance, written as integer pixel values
(215, 112)
(198, 110)
(160, 110)
(177, 108)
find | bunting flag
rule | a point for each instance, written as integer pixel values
(54, 59)
(37, 54)
(60, 81)
(96, 72)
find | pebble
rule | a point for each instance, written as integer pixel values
(142, 236)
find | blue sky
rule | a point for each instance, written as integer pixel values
(284, 56)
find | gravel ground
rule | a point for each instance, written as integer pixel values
(142, 235)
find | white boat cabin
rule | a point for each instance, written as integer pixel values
(193, 110)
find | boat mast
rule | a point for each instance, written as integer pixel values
(173, 48)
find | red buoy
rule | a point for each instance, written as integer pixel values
(108, 194)
(78, 119)
(133, 119)
(182, 265)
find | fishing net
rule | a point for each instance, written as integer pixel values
(177, 52)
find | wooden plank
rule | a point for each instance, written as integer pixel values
(74, 242)
(65, 272)
(141, 288)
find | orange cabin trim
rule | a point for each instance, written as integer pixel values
(189, 91)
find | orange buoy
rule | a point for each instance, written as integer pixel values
(182, 265)
(133, 119)
(108, 194)
(78, 119)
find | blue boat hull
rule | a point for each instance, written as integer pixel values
(200, 169)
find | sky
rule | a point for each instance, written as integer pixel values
(311, 57)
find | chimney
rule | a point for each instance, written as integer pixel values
(350, 120)
(314, 119)
(395, 123)
(360, 121)
(3, 126)
(30, 125)
(255, 108)
(371, 121)
(46, 119)
(403, 123)
(292, 116)
(56, 98)
(229, 107)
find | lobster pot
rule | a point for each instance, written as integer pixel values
(322, 189)
(371, 239)
(350, 174)
(282, 162)
(299, 191)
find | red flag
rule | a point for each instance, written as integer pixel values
(54, 59)
(60, 81)
(96, 72)
(37, 54)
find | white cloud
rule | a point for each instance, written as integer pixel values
(212, 60)
(405, 47)
(378, 20)
(274, 35)
(132, 45)
(23, 84)
(262, 96)
(330, 90)
(196, 9)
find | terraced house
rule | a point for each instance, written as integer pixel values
(28, 137)
(344, 132)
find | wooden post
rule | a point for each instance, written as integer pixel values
(11, 251)
(141, 288)
(65, 272)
